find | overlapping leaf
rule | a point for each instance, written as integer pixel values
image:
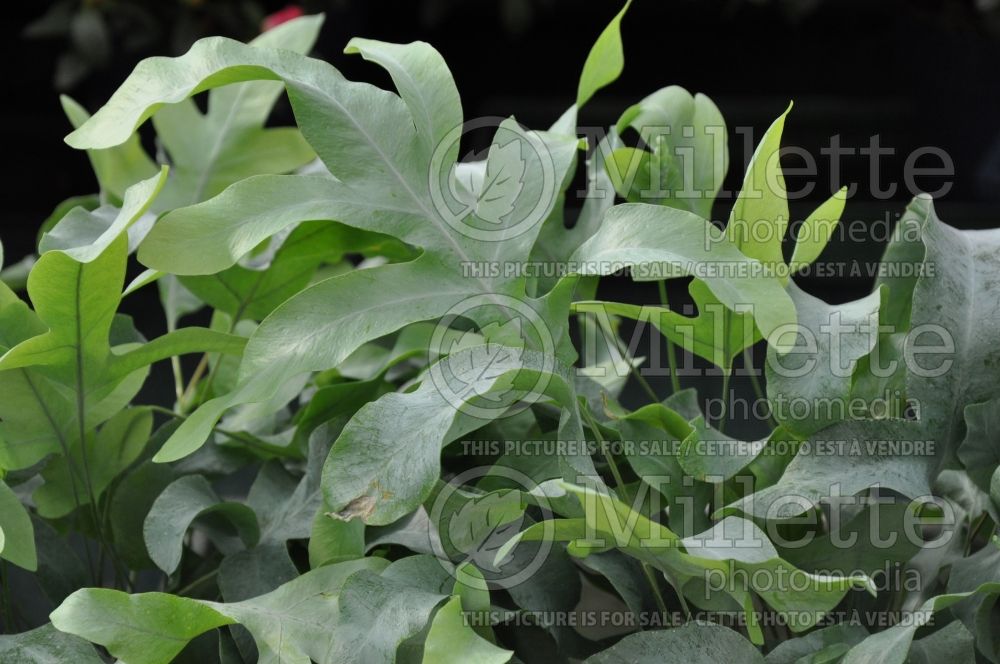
(732, 544)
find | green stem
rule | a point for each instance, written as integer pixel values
(620, 484)
(644, 383)
(200, 369)
(175, 367)
(232, 435)
(197, 582)
(647, 569)
(608, 457)
(896, 602)
(211, 376)
(680, 594)
(188, 392)
(724, 412)
(634, 370)
(165, 411)
(614, 466)
(724, 409)
(769, 633)
(85, 465)
(974, 527)
(122, 575)
(73, 470)
(675, 380)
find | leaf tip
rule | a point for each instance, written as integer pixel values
(75, 140)
(353, 47)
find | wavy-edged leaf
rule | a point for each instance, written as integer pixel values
(661, 243)
(824, 644)
(360, 133)
(892, 645)
(350, 125)
(294, 623)
(818, 372)
(84, 235)
(379, 613)
(287, 506)
(254, 572)
(370, 475)
(68, 378)
(654, 435)
(816, 230)
(130, 503)
(980, 449)
(714, 333)
(17, 535)
(451, 641)
(243, 292)
(151, 628)
(176, 509)
(879, 534)
(46, 645)
(353, 309)
(113, 449)
(422, 79)
(979, 612)
(555, 242)
(605, 61)
(709, 455)
(333, 541)
(626, 576)
(211, 236)
(78, 301)
(116, 168)
(726, 552)
(688, 157)
(845, 459)
(882, 374)
(759, 218)
(957, 302)
(952, 643)
(342, 612)
(210, 151)
(38, 414)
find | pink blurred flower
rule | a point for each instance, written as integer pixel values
(281, 16)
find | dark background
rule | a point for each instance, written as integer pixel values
(913, 73)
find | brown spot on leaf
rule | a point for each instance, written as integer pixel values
(361, 507)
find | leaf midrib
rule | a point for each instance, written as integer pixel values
(213, 155)
(421, 204)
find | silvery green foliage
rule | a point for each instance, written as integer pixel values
(311, 495)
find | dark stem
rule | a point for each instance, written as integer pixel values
(724, 407)
(758, 389)
(675, 380)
